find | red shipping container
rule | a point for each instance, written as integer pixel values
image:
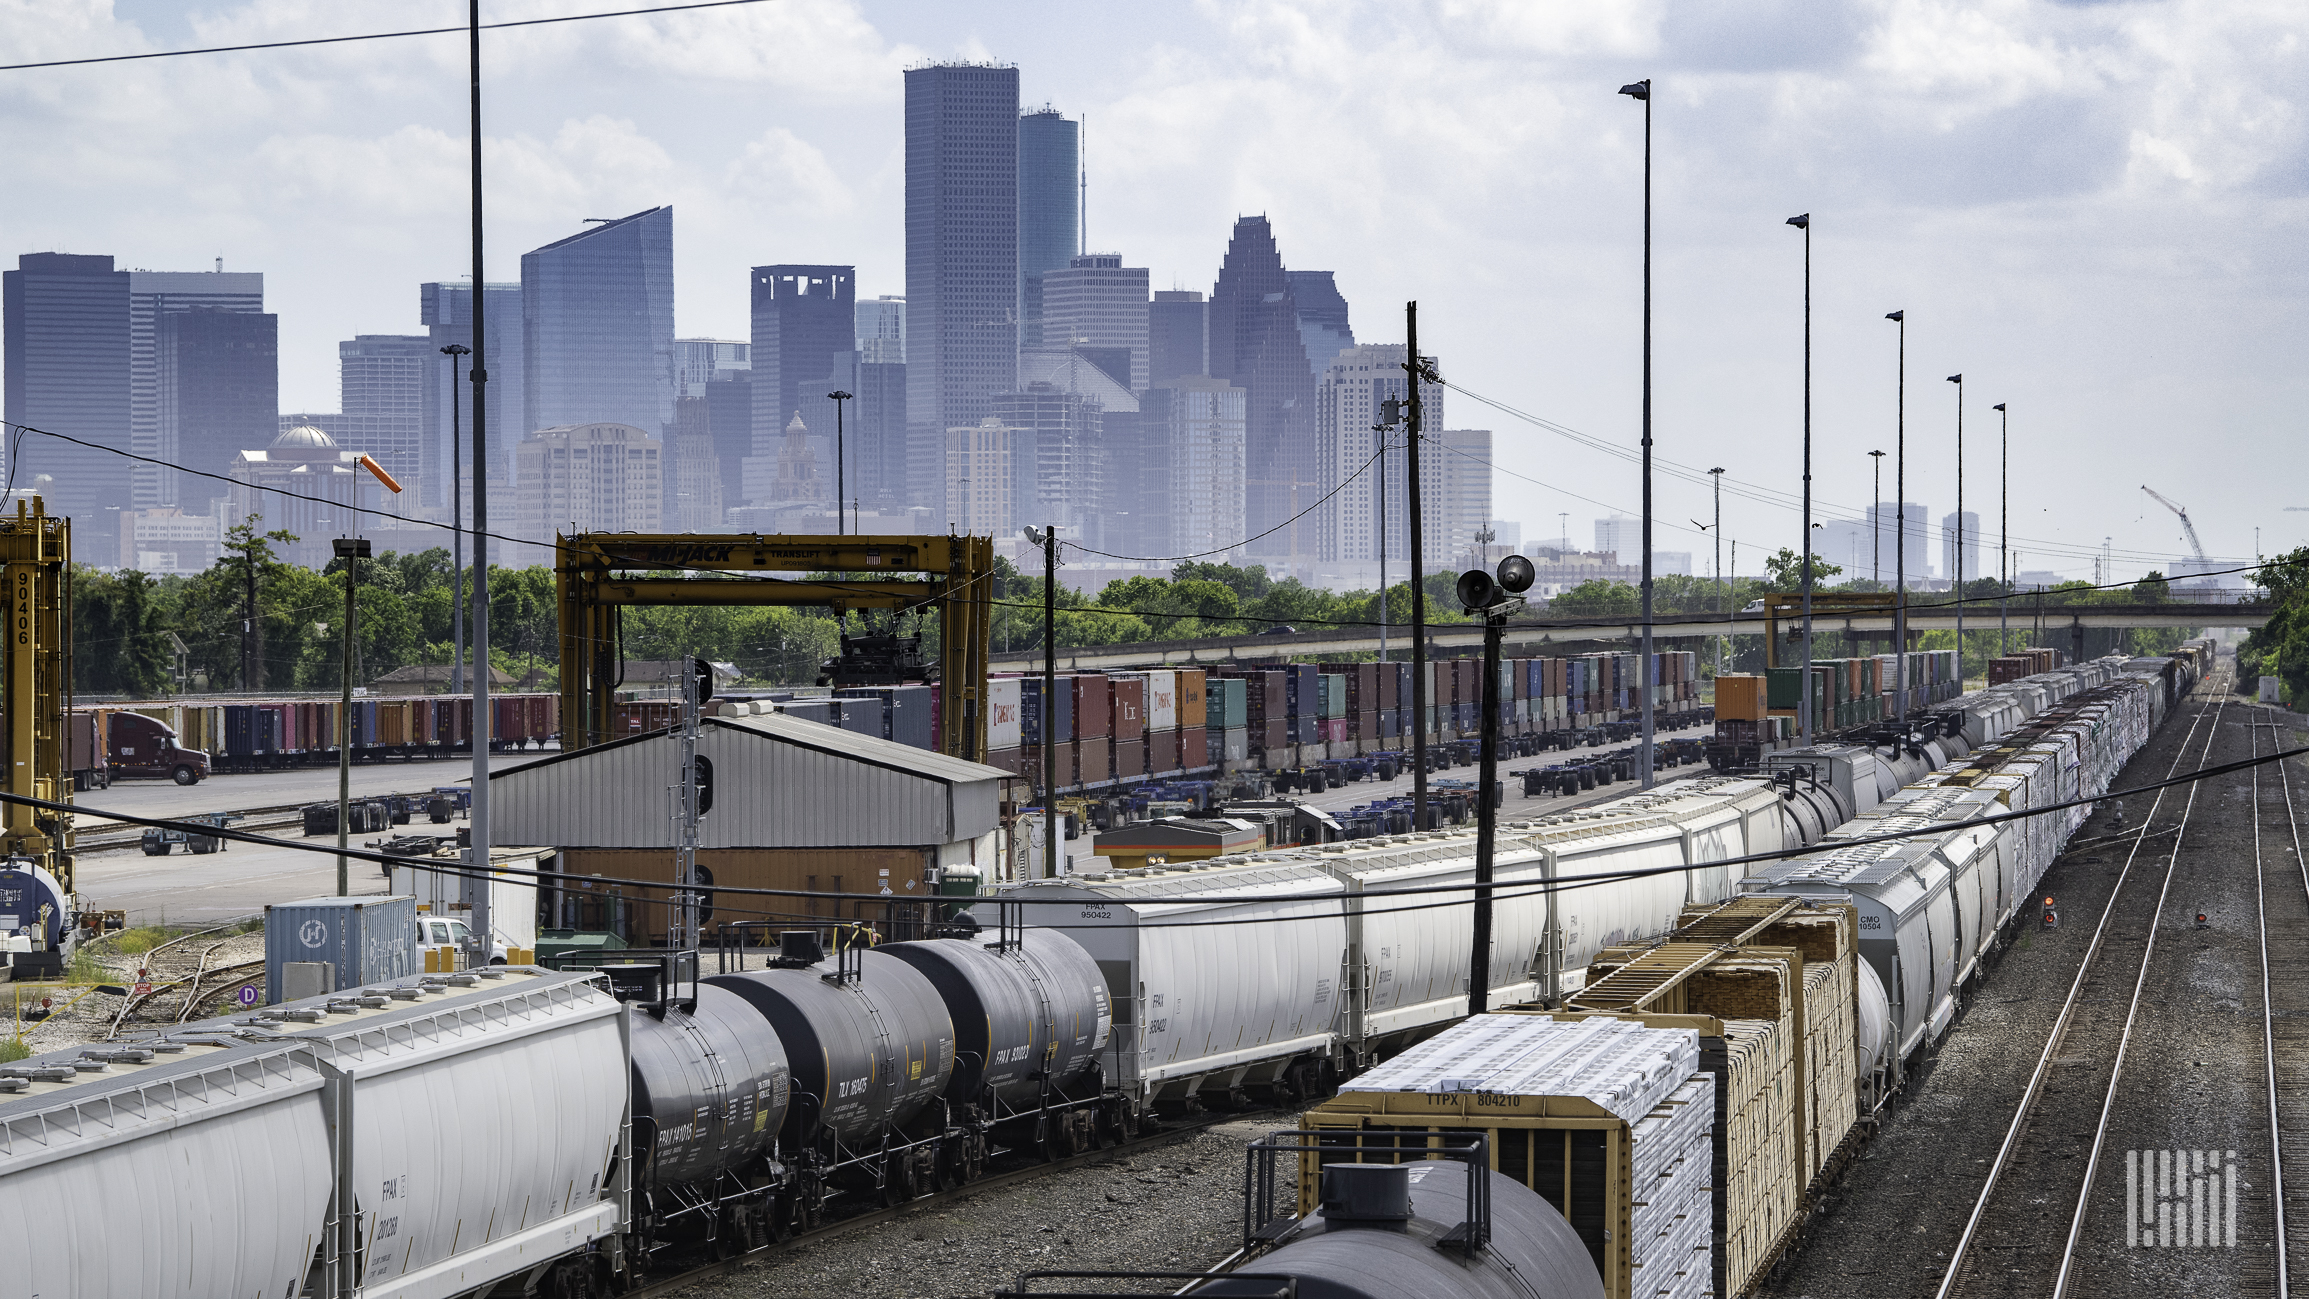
(1162, 751)
(1129, 702)
(1194, 748)
(1273, 734)
(1129, 759)
(1005, 759)
(1335, 730)
(1093, 707)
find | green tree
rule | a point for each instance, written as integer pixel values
(119, 642)
(1782, 572)
(1248, 584)
(1598, 598)
(2280, 648)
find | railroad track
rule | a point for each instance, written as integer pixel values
(2023, 1232)
(2282, 885)
(163, 971)
(1172, 1134)
(105, 836)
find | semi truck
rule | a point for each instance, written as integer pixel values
(143, 746)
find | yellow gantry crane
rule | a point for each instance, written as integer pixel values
(598, 573)
(35, 551)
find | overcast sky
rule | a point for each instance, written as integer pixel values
(2096, 212)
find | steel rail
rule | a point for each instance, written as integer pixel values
(2132, 1015)
(130, 1004)
(2276, 1137)
(2269, 1019)
(2035, 1088)
(1171, 1134)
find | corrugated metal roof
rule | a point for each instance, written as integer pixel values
(779, 782)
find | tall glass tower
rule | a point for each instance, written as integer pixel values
(1256, 345)
(1049, 209)
(445, 308)
(597, 327)
(804, 316)
(961, 252)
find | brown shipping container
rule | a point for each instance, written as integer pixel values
(1093, 706)
(1005, 759)
(1129, 759)
(1740, 697)
(1162, 751)
(1091, 761)
(1271, 735)
(1194, 714)
(1194, 748)
(1390, 687)
(1129, 703)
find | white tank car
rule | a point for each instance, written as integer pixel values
(470, 1128)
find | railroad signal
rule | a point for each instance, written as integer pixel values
(2204, 921)
(2051, 913)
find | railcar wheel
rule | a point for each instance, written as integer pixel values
(949, 1171)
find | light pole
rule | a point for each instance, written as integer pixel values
(1415, 375)
(1381, 429)
(1716, 480)
(841, 481)
(1956, 568)
(1804, 719)
(476, 885)
(1641, 91)
(1900, 524)
(350, 551)
(456, 530)
(2003, 527)
(1876, 522)
(1047, 538)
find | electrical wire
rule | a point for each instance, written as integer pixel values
(372, 36)
(1558, 884)
(1205, 554)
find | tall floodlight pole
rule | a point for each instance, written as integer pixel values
(1956, 565)
(1415, 372)
(1641, 91)
(1716, 478)
(2003, 526)
(477, 883)
(1382, 430)
(841, 483)
(456, 529)
(1047, 538)
(1900, 526)
(1805, 722)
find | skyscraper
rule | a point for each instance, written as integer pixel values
(1323, 327)
(961, 250)
(1622, 536)
(381, 393)
(1347, 405)
(445, 308)
(1255, 344)
(152, 297)
(1948, 539)
(597, 326)
(804, 316)
(1457, 496)
(591, 477)
(1185, 470)
(700, 361)
(1058, 458)
(67, 372)
(216, 392)
(1096, 301)
(1049, 211)
(1178, 336)
(882, 330)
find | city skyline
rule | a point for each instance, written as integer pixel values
(1904, 214)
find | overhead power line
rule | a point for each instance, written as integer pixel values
(371, 36)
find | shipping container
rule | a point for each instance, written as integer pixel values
(1194, 748)
(1228, 703)
(1162, 700)
(1003, 728)
(363, 940)
(1093, 705)
(1230, 745)
(1031, 709)
(1130, 759)
(1162, 751)
(1093, 761)
(1127, 718)
(1194, 691)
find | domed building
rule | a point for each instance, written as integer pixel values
(306, 485)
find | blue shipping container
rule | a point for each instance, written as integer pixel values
(1030, 708)
(366, 939)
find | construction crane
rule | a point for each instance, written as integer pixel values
(2204, 565)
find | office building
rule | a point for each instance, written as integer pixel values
(1508, 533)
(216, 390)
(804, 316)
(1255, 345)
(879, 437)
(597, 326)
(882, 330)
(1049, 211)
(1622, 536)
(168, 540)
(585, 478)
(692, 469)
(797, 468)
(381, 399)
(66, 370)
(961, 244)
(154, 296)
(306, 485)
(1456, 493)
(700, 361)
(1097, 302)
(1057, 458)
(445, 309)
(1971, 540)
(1323, 327)
(1192, 486)
(1370, 496)
(979, 483)
(1178, 336)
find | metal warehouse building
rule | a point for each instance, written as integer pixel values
(796, 805)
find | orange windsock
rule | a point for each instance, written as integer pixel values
(379, 470)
